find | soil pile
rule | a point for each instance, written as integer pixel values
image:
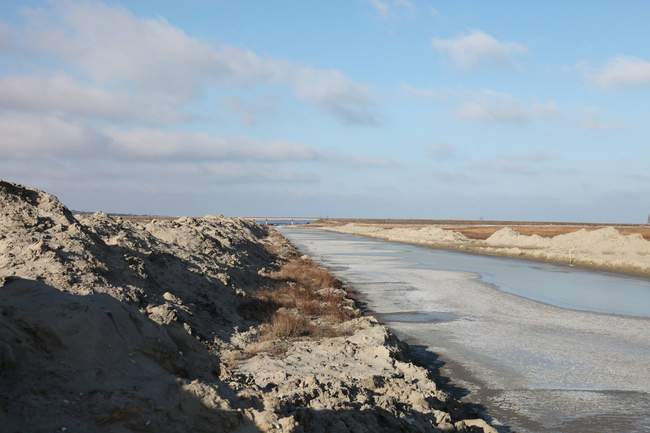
(603, 248)
(206, 324)
(111, 325)
(424, 235)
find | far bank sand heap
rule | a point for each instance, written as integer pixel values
(603, 248)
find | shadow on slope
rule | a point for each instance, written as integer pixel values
(422, 356)
(91, 363)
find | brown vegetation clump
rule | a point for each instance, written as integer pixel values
(287, 324)
(292, 324)
(309, 302)
(288, 296)
(308, 288)
(329, 304)
(306, 273)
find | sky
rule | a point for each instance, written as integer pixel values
(360, 108)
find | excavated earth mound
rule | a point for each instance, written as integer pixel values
(110, 325)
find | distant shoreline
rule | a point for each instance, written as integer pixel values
(616, 263)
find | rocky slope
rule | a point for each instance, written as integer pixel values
(112, 325)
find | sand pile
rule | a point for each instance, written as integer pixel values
(137, 343)
(507, 237)
(112, 325)
(606, 240)
(604, 248)
(425, 235)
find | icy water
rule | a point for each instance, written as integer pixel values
(544, 348)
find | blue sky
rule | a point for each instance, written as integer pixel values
(367, 108)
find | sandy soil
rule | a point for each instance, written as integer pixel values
(481, 230)
(116, 325)
(606, 248)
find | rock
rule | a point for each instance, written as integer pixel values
(163, 314)
(467, 424)
(167, 296)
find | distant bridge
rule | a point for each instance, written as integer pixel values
(283, 220)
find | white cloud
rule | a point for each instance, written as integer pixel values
(155, 145)
(106, 98)
(26, 136)
(385, 7)
(151, 179)
(469, 50)
(146, 144)
(381, 7)
(50, 137)
(150, 56)
(623, 71)
(44, 136)
(332, 91)
(489, 106)
(61, 94)
(250, 110)
(506, 113)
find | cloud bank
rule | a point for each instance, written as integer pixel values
(101, 97)
(154, 60)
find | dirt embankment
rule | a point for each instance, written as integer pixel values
(195, 324)
(605, 248)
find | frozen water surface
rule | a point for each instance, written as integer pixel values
(545, 348)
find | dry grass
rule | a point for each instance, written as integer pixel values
(330, 305)
(287, 324)
(309, 289)
(307, 274)
(305, 286)
(308, 302)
